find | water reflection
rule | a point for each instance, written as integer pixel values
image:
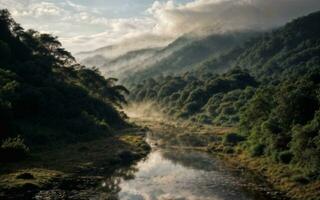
(181, 175)
(166, 174)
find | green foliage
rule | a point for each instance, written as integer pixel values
(233, 139)
(228, 150)
(13, 149)
(302, 179)
(46, 96)
(285, 157)
(209, 99)
(257, 150)
(305, 145)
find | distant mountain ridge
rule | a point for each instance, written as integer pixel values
(189, 55)
(179, 56)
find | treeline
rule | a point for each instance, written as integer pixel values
(46, 96)
(271, 92)
(209, 98)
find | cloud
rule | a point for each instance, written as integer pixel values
(41, 9)
(86, 27)
(226, 15)
(129, 32)
(170, 19)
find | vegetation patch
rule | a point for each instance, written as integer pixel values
(38, 177)
(13, 149)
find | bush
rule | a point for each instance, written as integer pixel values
(192, 107)
(13, 149)
(127, 156)
(233, 139)
(301, 179)
(285, 157)
(228, 150)
(257, 150)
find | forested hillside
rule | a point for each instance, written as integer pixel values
(271, 92)
(186, 53)
(182, 55)
(46, 96)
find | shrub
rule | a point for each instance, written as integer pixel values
(285, 157)
(192, 107)
(233, 138)
(228, 110)
(127, 156)
(257, 150)
(13, 149)
(228, 150)
(301, 179)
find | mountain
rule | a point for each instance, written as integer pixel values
(179, 56)
(120, 48)
(137, 61)
(187, 52)
(119, 60)
(268, 88)
(94, 61)
(128, 63)
(267, 57)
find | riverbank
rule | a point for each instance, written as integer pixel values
(282, 178)
(59, 171)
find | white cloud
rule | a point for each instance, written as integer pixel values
(87, 27)
(224, 15)
(171, 20)
(38, 10)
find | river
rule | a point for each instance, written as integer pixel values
(168, 174)
(173, 174)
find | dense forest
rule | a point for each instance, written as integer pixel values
(270, 91)
(46, 97)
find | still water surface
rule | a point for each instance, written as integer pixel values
(185, 175)
(167, 174)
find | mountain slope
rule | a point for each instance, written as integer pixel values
(270, 92)
(192, 51)
(128, 63)
(294, 46)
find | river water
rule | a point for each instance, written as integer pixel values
(171, 174)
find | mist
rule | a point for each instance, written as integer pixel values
(199, 18)
(215, 16)
(145, 110)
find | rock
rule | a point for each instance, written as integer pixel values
(25, 176)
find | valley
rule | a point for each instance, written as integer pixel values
(224, 111)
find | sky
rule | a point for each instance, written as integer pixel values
(83, 25)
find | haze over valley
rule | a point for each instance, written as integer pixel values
(159, 100)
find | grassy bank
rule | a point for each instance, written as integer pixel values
(50, 168)
(283, 178)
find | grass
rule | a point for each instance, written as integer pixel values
(281, 176)
(49, 166)
(41, 177)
